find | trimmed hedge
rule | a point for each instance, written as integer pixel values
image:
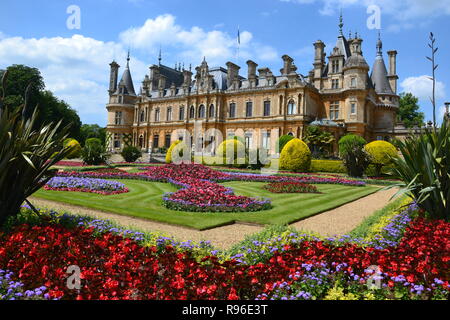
(332, 166)
(295, 156)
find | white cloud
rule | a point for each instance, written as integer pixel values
(403, 12)
(195, 43)
(75, 69)
(421, 87)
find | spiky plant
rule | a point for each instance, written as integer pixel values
(27, 153)
(425, 170)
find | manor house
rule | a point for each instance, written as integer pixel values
(340, 94)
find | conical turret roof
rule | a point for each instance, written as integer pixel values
(126, 81)
(379, 75)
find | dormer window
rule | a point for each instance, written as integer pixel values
(335, 66)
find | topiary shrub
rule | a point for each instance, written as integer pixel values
(75, 148)
(283, 140)
(131, 154)
(350, 141)
(93, 141)
(295, 156)
(381, 154)
(230, 150)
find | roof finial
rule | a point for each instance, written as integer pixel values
(341, 24)
(379, 45)
(350, 34)
(160, 56)
(128, 58)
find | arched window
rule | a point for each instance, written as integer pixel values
(192, 112)
(211, 111)
(201, 111)
(157, 115)
(292, 108)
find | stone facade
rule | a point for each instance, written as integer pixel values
(337, 94)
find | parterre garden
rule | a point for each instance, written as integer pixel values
(402, 252)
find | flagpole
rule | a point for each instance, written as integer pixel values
(238, 45)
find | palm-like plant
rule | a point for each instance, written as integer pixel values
(26, 154)
(425, 170)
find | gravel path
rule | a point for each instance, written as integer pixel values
(338, 221)
(344, 219)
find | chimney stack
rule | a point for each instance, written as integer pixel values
(113, 76)
(233, 75)
(287, 64)
(392, 76)
(252, 72)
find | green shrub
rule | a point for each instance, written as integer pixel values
(350, 140)
(355, 158)
(381, 153)
(424, 170)
(93, 141)
(295, 156)
(230, 150)
(131, 154)
(332, 166)
(283, 140)
(75, 148)
(94, 154)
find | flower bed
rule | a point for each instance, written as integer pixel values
(99, 186)
(200, 189)
(291, 187)
(114, 267)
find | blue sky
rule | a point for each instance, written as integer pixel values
(74, 62)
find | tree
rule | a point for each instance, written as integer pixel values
(23, 79)
(408, 111)
(318, 140)
(88, 131)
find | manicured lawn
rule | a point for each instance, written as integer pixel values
(145, 201)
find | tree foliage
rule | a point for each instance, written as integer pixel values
(318, 140)
(22, 78)
(408, 111)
